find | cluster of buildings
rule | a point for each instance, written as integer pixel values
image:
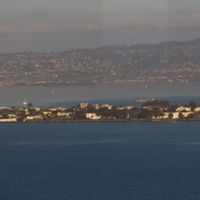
(181, 112)
(27, 114)
(85, 111)
(116, 64)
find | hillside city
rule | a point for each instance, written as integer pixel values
(170, 62)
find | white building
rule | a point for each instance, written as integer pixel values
(183, 109)
(197, 109)
(12, 116)
(109, 107)
(37, 108)
(121, 108)
(185, 114)
(8, 120)
(93, 116)
(166, 115)
(47, 112)
(129, 107)
(83, 105)
(148, 107)
(175, 115)
(32, 117)
(64, 114)
(5, 108)
(96, 106)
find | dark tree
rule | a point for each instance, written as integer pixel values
(172, 108)
(170, 115)
(29, 105)
(191, 116)
(157, 103)
(79, 114)
(145, 114)
(193, 105)
(181, 115)
(156, 112)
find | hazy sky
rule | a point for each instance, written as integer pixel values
(57, 25)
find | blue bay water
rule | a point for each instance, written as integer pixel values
(100, 161)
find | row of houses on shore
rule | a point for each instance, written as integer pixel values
(97, 112)
(180, 112)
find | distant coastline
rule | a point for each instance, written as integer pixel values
(169, 62)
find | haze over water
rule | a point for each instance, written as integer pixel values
(52, 94)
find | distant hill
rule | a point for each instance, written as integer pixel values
(166, 62)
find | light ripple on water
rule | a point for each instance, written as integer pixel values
(184, 143)
(59, 143)
(191, 143)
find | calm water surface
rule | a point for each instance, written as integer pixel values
(100, 161)
(51, 94)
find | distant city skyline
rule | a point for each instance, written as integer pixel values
(48, 25)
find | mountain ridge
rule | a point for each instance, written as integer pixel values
(194, 41)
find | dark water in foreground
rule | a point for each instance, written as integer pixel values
(100, 161)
